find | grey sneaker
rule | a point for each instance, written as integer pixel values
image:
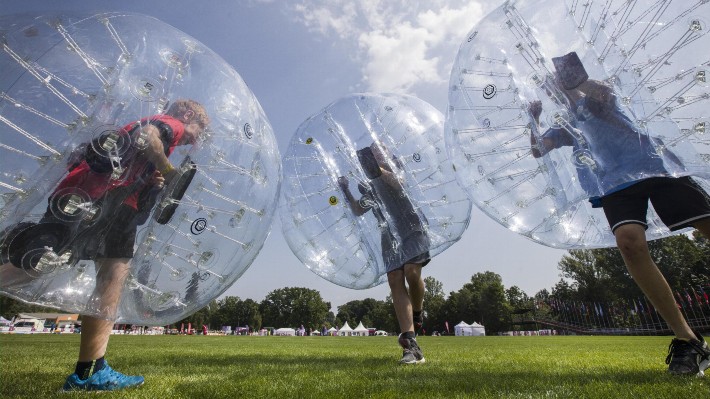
(412, 353)
(688, 356)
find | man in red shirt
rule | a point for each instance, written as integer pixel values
(149, 167)
(117, 179)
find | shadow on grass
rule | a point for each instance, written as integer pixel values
(382, 376)
(226, 367)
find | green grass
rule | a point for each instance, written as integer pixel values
(34, 366)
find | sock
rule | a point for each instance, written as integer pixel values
(85, 369)
(409, 335)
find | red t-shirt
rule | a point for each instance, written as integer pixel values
(97, 184)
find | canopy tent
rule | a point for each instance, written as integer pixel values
(4, 321)
(478, 329)
(285, 331)
(345, 330)
(469, 330)
(361, 331)
(332, 331)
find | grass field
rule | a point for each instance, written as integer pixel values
(34, 366)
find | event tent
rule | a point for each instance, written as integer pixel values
(285, 331)
(361, 331)
(469, 330)
(345, 330)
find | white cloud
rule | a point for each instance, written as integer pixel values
(401, 44)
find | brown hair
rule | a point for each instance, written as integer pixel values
(180, 107)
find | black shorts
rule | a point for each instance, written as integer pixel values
(120, 234)
(422, 259)
(416, 243)
(113, 237)
(679, 202)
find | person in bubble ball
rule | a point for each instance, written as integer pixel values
(618, 154)
(384, 193)
(126, 203)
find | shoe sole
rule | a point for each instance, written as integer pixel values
(422, 360)
(100, 390)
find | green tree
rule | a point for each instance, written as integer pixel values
(599, 275)
(293, 307)
(517, 298)
(383, 316)
(493, 307)
(482, 300)
(232, 311)
(434, 305)
(461, 306)
(358, 311)
(201, 316)
(563, 291)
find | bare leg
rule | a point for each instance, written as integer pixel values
(413, 274)
(400, 298)
(631, 240)
(95, 331)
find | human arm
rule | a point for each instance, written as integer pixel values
(391, 179)
(354, 204)
(539, 145)
(154, 151)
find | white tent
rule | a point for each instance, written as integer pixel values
(478, 329)
(361, 331)
(469, 330)
(345, 330)
(332, 331)
(285, 331)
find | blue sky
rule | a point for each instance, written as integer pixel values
(299, 56)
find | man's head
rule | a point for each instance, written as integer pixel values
(570, 71)
(380, 153)
(193, 115)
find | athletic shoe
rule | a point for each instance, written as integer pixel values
(106, 379)
(412, 353)
(688, 356)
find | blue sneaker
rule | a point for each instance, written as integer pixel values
(106, 379)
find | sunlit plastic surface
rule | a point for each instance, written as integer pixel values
(653, 57)
(319, 222)
(68, 81)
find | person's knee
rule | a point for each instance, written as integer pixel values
(413, 273)
(631, 240)
(395, 278)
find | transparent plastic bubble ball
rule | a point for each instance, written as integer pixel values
(554, 103)
(92, 219)
(368, 186)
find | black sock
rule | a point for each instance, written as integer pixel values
(409, 335)
(85, 369)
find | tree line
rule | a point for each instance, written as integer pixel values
(587, 276)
